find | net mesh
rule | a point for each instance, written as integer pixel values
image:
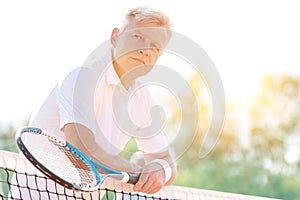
(20, 180)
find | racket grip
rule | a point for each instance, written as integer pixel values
(133, 179)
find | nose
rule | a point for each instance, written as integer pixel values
(144, 51)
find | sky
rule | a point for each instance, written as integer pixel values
(41, 41)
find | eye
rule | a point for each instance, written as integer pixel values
(137, 36)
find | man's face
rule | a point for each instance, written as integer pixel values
(138, 47)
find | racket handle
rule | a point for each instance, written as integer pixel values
(133, 179)
(128, 178)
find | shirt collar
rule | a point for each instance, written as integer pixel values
(112, 76)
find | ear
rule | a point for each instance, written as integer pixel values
(114, 35)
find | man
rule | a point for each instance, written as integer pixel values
(98, 110)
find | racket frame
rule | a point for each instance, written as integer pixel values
(71, 185)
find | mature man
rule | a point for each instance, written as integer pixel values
(87, 107)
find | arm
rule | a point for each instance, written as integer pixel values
(152, 177)
(82, 138)
(167, 157)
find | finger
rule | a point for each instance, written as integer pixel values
(143, 179)
(152, 186)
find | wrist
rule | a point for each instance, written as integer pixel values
(136, 169)
(165, 165)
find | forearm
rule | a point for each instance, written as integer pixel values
(159, 171)
(114, 162)
(174, 171)
(82, 138)
(166, 157)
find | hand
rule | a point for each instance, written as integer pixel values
(151, 180)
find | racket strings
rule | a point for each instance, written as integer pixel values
(54, 155)
(60, 166)
(84, 176)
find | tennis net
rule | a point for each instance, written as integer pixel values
(16, 171)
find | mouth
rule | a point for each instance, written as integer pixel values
(138, 60)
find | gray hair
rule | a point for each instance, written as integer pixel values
(141, 14)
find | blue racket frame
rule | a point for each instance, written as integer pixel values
(91, 163)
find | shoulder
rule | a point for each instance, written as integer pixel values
(88, 73)
(82, 76)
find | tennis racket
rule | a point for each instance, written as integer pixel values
(64, 163)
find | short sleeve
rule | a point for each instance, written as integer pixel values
(150, 138)
(155, 144)
(76, 98)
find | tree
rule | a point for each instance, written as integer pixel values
(7, 138)
(253, 153)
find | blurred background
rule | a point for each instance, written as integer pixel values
(255, 46)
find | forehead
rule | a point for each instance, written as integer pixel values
(151, 30)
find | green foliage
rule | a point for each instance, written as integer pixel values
(238, 176)
(7, 138)
(7, 142)
(271, 126)
(130, 149)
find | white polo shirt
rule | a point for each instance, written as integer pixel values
(93, 96)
